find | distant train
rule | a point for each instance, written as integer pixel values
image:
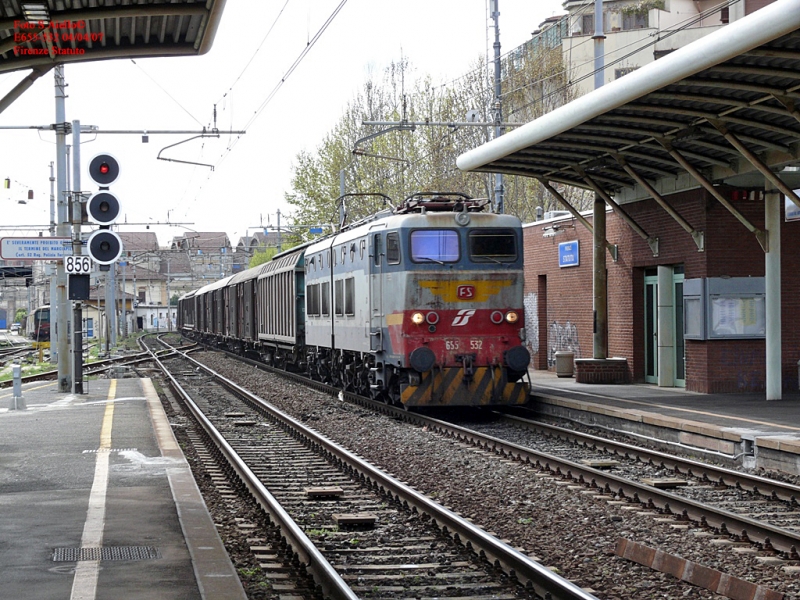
(420, 306)
(41, 324)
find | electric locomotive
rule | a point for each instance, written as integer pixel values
(421, 306)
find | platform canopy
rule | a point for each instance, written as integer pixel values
(40, 34)
(15, 272)
(726, 108)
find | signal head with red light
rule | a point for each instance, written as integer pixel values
(104, 169)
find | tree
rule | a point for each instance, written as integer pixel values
(261, 256)
(402, 160)
(20, 315)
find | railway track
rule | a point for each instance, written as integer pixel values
(747, 508)
(7, 355)
(358, 531)
(758, 501)
(92, 368)
(733, 515)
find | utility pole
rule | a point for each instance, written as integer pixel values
(77, 250)
(135, 301)
(499, 190)
(599, 272)
(111, 275)
(62, 230)
(599, 45)
(279, 231)
(52, 201)
(53, 279)
(169, 302)
(124, 303)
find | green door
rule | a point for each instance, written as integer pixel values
(672, 350)
(650, 326)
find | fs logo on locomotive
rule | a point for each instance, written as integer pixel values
(463, 317)
(465, 292)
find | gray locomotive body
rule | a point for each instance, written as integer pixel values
(420, 306)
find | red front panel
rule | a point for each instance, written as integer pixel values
(457, 332)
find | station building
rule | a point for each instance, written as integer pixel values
(721, 348)
(687, 271)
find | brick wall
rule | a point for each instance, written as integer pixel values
(565, 318)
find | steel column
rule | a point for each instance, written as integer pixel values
(772, 268)
(59, 339)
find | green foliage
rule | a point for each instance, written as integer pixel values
(20, 314)
(642, 6)
(400, 162)
(261, 256)
(322, 531)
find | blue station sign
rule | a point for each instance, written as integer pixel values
(569, 254)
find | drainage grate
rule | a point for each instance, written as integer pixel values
(106, 553)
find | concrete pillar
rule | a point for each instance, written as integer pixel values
(666, 326)
(600, 281)
(17, 402)
(772, 223)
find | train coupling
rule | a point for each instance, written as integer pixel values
(467, 364)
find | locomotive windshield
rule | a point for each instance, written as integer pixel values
(492, 245)
(436, 245)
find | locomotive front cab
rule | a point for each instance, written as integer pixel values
(459, 327)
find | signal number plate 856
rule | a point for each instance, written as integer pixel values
(77, 265)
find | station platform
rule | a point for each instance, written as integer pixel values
(98, 501)
(735, 429)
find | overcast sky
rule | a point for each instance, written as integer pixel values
(441, 38)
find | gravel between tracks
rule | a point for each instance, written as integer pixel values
(561, 528)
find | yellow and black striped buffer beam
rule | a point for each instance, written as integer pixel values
(445, 387)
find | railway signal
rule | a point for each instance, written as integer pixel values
(104, 170)
(105, 246)
(103, 208)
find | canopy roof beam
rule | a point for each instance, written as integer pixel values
(652, 136)
(757, 163)
(747, 138)
(761, 236)
(789, 104)
(704, 116)
(573, 150)
(757, 105)
(651, 241)
(697, 236)
(612, 248)
(22, 87)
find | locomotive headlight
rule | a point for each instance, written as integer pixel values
(496, 317)
(418, 318)
(512, 317)
(432, 318)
